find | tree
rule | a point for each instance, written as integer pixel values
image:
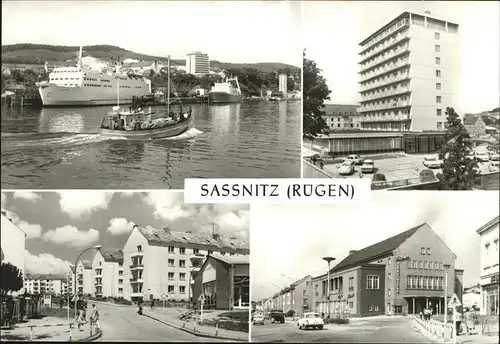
(12, 278)
(459, 171)
(315, 91)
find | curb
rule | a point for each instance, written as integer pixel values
(112, 304)
(198, 334)
(91, 338)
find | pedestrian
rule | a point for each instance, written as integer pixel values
(94, 318)
(152, 303)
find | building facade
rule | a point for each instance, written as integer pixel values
(341, 117)
(474, 124)
(283, 84)
(224, 282)
(410, 73)
(472, 297)
(489, 278)
(13, 245)
(157, 262)
(301, 295)
(408, 272)
(84, 281)
(197, 63)
(107, 273)
(46, 284)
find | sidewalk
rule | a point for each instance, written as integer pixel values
(171, 317)
(45, 329)
(477, 338)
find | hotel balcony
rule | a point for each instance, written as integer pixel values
(392, 66)
(388, 44)
(385, 82)
(98, 284)
(98, 273)
(137, 294)
(98, 293)
(136, 254)
(384, 35)
(380, 95)
(136, 267)
(380, 119)
(134, 280)
(392, 105)
(387, 57)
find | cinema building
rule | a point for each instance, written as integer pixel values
(399, 275)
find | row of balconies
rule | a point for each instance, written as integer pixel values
(386, 45)
(386, 57)
(378, 95)
(386, 81)
(382, 118)
(392, 105)
(385, 34)
(388, 68)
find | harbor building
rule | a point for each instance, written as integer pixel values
(46, 284)
(489, 278)
(341, 117)
(107, 273)
(13, 241)
(197, 63)
(157, 262)
(224, 282)
(400, 275)
(84, 277)
(410, 74)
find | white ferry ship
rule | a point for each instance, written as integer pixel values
(79, 86)
(225, 92)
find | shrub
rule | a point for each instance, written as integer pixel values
(379, 177)
(337, 321)
(290, 313)
(234, 315)
(232, 325)
(122, 301)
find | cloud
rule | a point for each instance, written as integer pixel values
(71, 236)
(168, 205)
(27, 195)
(4, 199)
(76, 203)
(45, 263)
(120, 225)
(33, 231)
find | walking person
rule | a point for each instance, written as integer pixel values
(152, 303)
(94, 318)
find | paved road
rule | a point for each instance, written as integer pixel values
(124, 324)
(361, 330)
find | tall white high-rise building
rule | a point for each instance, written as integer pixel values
(197, 63)
(410, 74)
(283, 83)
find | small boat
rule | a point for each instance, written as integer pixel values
(136, 124)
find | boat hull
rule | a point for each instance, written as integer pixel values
(159, 133)
(223, 98)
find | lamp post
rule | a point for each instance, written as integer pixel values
(446, 267)
(96, 247)
(328, 260)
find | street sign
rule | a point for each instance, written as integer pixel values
(164, 296)
(201, 298)
(454, 302)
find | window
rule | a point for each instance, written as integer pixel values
(182, 250)
(170, 275)
(372, 282)
(437, 35)
(351, 304)
(437, 48)
(389, 261)
(120, 273)
(426, 265)
(388, 292)
(438, 73)
(439, 112)
(182, 289)
(139, 248)
(438, 86)
(171, 249)
(376, 308)
(370, 308)
(415, 264)
(120, 290)
(351, 283)
(422, 250)
(182, 263)
(171, 289)
(409, 264)
(196, 251)
(428, 251)
(438, 99)
(420, 264)
(389, 276)
(171, 262)
(182, 276)
(438, 60)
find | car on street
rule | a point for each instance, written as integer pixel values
(482, 157)
(346, 168)
(368, 166)
(433, 162)
(258, 318)
(277, 316)
(356, 159)
(310, 320)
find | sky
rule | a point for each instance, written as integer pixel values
(228, 31)
(332, 32)
(59, 225)
(289, 241)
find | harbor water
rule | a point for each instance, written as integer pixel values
(60, 148)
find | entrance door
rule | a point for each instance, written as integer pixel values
(398, 309)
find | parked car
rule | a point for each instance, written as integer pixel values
(258, 318)
(277, 316)
(310, 320)
(494, 165)
(483, 157)
(432, 162)
(356, 159)
(495, 157)
(368, 166)
(346, 168)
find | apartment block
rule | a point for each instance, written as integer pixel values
(489, 261)
(410, 73)
(197, 63)
(13, 241)
(83, 279)
(107, 273)
(341, 117)
(46, 284)
(158, 262)
(400, 275)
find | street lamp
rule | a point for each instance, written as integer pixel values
(97, 248)
(446, 267)
(328, 260)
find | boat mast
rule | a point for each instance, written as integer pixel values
(168, 85)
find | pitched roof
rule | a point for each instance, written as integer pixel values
(165, 236)
(87, 264)
(299, 281)
(369, 253)
(470, 119)
(112, 256)
(240, 260)
(72, 267)
(50, 277)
